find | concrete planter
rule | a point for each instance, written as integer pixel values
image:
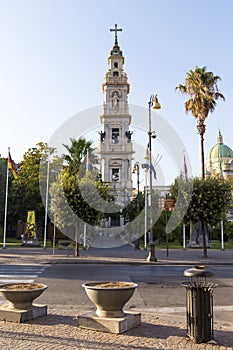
(20, 298)
(109, 297)
(21, 295)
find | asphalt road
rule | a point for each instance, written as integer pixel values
(158, 286)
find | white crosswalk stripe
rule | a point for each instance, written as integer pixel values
(20, 273)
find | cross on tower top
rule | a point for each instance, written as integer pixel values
(116, 30)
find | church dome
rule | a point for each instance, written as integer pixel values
(220, 150)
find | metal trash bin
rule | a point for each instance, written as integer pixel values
(199, 304)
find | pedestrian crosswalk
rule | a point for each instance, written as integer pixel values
(20, 273)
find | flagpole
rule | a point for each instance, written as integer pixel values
(87, 162)
(85, 224)
(46, 205)
(6, 199)
(146, 208)
(184, 238)
(185, 168)
(220, 163)
(85, 235)
(222, 235)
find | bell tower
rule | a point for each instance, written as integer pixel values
(115, 147)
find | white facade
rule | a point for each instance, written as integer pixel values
(115, 148)
(220, 159)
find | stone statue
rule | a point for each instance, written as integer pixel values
(115, 100)
(102, 136)
(196, 238)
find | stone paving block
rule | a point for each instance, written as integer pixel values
(19, 316)
(111, 325)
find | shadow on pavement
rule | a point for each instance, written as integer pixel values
(145, 330)
(62, 331)
(149, 330)
(158, 331)
(55, 319)
(224, 338)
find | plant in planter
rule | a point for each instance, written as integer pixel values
(20, 298)
(109, 299)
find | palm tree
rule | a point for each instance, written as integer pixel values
(77, 154)
(76, 159)
(201, 87)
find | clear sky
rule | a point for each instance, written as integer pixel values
(53, 57)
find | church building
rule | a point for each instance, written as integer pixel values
(115, 148)
(220, 159)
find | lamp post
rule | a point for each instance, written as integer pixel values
(152, 104)
(145, 166)
(136, 169)
(168, 206)
(46, 205)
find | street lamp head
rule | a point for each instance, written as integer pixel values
(147, 157)
(135, 167)
(153, 135)
(156, 104)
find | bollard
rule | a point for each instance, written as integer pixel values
(199, 304)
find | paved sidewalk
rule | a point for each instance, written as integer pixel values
(159, 330)
(58, 330)
(125, 254)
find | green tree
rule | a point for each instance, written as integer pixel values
(132, 210)
(78, 195)
(87, 198)
(130, 213)
(78, 150)
(136, 222)
(201, 87)
(25, 194)
(210, 201)
(83, 187)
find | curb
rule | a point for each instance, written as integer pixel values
(110, 261)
